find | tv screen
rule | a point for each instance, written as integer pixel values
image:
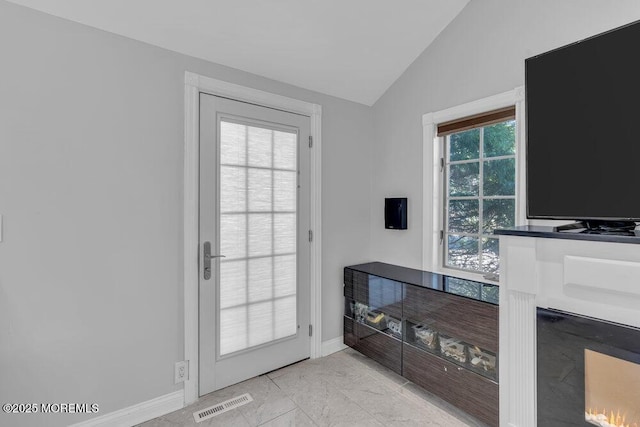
(583, 129)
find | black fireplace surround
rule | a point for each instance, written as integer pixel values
(562, 340)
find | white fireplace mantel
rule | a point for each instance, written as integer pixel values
(600, 279)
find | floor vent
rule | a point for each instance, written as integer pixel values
(221, 408)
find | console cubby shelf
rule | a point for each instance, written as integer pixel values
(437, 331)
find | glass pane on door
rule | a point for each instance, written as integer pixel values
(258, 235)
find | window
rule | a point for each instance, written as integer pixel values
(471, 289)
(479, 167)
(258, 226)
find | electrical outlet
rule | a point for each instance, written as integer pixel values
(180, 373)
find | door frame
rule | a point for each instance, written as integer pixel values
(193, 85)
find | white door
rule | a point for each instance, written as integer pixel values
(254, 246)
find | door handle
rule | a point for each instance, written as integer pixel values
(207, 257)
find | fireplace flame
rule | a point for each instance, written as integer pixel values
(607, 418)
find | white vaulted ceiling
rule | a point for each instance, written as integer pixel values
(352, 49)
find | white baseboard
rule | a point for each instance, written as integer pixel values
(332, 345)
(163, 405)
(139, 413)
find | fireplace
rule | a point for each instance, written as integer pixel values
(546, 276)
(588, 371)
(612, 390)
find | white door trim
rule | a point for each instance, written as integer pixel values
(194, 84)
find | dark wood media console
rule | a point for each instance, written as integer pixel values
(437, 331)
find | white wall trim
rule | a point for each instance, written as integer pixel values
(478, 106)
(139, 413)
(254, 96)
(194, 84)
(521, 176)
(430, 225)
(333, 345)
(191, 230)
(315, 313)
(432, 193)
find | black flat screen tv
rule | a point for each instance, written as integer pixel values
(583, 130)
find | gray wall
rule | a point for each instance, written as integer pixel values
(481, 53)
(91, 140)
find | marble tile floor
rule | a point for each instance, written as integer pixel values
(343, 389)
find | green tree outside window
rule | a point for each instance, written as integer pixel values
(480, 194)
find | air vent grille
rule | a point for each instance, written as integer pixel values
(222, 407)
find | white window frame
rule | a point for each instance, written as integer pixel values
(433, 195)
